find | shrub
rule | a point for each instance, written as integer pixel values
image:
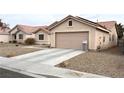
(64, 64)
(14, 41)
(10, 41)
(20, 43)
(1, 41)
(16, 45)
(98, 48)
(30, 41)
(9, 56)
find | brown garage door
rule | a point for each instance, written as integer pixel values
(71, 39)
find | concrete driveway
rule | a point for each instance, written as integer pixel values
(48, 56)
(40, 64)
(42, 70)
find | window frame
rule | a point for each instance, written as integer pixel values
(21, 36)
(70, 24)
(41, 38)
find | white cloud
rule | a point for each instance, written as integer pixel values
(47, 19)
(48, 11)
(74, 7)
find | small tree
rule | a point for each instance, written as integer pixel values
(1, 23)
(30, 41)
(120, 30)
(4, 26)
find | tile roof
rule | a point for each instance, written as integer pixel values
(29, 29)
(53, 23)
(108, 24)
(82, 20)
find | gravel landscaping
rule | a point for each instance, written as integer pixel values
(108, 63)
(10, 50)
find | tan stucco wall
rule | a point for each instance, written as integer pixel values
(99, 39)
(46, 38)
(77, 26)
(25, 36)
(14, 31)
(108, 43)
(30, 36)
(17, 37)
(4, 38)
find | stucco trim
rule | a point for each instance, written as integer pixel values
(41, 29)
(13, 29)
(23, 32)
(102, 30)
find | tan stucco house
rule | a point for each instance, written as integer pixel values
(71, 32)
(21, 32)
(4, 34)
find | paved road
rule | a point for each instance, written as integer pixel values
(11, 74)
(4, 73)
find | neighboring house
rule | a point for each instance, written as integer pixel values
(4, 34)
(21, 32)
(71, 32)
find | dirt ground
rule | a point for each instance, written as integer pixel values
(10, 50)
(108, 63)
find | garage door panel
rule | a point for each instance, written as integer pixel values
(70, 40)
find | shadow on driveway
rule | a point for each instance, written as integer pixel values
(11, 74)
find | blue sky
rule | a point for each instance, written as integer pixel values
(44, 12)
(40, 19)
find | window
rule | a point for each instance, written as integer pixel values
(112, 37)
(20, 36)
(41, 37)
(14, 36)
(109, 37)
(70, 23)
(104, 39)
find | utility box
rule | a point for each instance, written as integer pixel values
(84, 46)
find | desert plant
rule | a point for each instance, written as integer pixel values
(10, 41)
(20, 43)
(17, 45)
(64, 64)
(1, 41)
(98, 48)
(14, 41)
(30, 41)
(10, 55)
